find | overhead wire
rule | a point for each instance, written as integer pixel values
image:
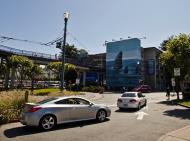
(22, 40)
(5, 38)
(75, 39)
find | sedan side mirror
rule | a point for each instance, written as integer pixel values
(91, 104)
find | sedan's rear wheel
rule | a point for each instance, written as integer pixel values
(47, 122)
(101, 115)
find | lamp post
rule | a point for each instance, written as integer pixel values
(66, 16)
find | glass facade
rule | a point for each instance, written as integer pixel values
(123, 63)
(151, 66)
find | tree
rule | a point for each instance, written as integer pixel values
(70, 73)
(163, 44)
(71, 51)
(55, 67)
(177, 55)
(35, 72)
(19, 64)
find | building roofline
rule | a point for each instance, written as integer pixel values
(153, 47)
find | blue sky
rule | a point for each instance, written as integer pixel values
(92, 21)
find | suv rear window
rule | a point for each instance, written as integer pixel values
(129, 95)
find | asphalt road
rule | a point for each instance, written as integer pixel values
(151, 122)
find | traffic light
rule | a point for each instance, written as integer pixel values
(58, 45)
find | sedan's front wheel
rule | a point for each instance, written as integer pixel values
(47, 122)
(101, 115)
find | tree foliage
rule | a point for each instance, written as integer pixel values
(163, 44)
(70, 73)
(71, 51)
(19, 64)
(36, 72)
(177, 55)
(22, 68)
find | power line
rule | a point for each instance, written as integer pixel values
(75, 39)
(4, 38)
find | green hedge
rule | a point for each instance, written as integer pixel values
(95, 89)
(46, 91)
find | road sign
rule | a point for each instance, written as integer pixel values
(173, 82)
(77, 81)
(176, 71)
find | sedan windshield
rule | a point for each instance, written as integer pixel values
(129, 95)
(46, 100)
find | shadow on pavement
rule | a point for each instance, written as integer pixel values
(168, 102)
(178, 113)
(25, 130)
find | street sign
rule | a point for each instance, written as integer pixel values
(77, 81)
(176, 71)
(173, 82)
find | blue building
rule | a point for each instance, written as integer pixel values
(123, 63)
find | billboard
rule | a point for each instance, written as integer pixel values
(123, 63)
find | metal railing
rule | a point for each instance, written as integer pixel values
(28, 53)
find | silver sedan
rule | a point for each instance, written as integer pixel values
(131, 100)
(56, 110)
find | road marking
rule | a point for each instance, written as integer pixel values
(146, 108)
(113, 105)
(140, 115)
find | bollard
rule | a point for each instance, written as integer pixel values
(26, 96)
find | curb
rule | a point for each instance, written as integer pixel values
(172, 132)
(184, 105)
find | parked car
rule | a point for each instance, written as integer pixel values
(142, 89)
(131, 100)
(49, 112)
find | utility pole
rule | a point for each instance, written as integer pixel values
(66, 16)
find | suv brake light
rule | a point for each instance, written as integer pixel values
(119, 100)
(133, 101)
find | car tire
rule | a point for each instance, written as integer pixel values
(47, 122)
(101, 115)
(121, 108)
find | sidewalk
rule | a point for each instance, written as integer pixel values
(92, 96)
(182, 134)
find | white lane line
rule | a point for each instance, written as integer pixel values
(140, 115)
(113, 105)
(146, 108)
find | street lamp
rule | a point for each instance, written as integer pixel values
(66, 16)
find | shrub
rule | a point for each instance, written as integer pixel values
(10, 107)
(45, 91)
(96, 89)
